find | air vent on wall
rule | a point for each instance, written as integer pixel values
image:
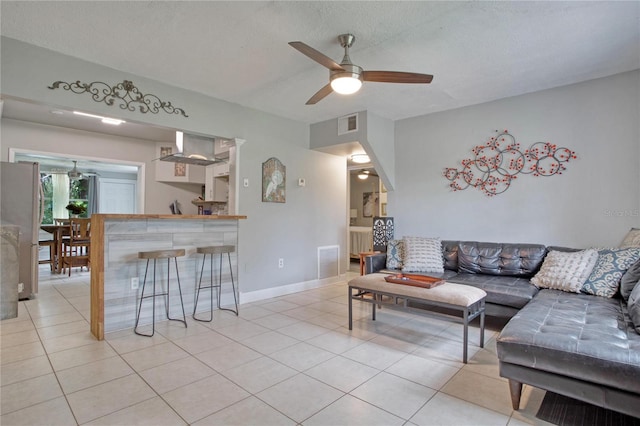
(328, 261)
(348, 124)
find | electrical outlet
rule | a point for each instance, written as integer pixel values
(246, 182)
(20, 287)
(135, 282)
(280, 263)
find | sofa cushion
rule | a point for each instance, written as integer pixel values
(395, 254)
(518, 260)
(611, 265)
(566, 271)
(629, 280)
(632, 239)
(514, 292)
(574, 335)
(422, 255)
(634, 307)
(564, 249)
(450, 254)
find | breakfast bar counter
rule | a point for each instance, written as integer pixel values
(116, 240)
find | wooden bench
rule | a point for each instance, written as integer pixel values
(467, 300)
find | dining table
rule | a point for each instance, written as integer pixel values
(58, 232)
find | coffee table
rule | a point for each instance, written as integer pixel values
(468, 300)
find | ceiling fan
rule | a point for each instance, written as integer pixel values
(364, 174)
(74, 173)
(346, 77)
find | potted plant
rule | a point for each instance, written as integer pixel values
(76, 209)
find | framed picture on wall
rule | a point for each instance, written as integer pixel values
(274, 179)
(370, 202)
(179, 169)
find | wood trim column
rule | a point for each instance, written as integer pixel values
(96, 259)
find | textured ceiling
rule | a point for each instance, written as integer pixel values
(238, 51)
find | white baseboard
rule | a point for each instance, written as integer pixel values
(268, 293)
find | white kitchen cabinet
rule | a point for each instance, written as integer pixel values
(216, 187)
(221, 147)
(167, 171)
(221, 170)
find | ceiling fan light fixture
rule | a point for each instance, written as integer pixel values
(360, 158)
(74, 174)
(346, 84)
(363, 174)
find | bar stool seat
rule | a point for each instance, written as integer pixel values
(155, 255)
(212, 251)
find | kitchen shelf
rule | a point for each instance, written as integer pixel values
(203, 203)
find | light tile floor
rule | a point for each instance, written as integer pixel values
(284, 361)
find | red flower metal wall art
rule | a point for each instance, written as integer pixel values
(498, 162)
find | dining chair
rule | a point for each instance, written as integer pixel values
(52, 253)
(76, 250)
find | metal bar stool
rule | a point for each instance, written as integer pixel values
(213, 250)
(155, 255)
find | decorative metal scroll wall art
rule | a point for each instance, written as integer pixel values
(499, 161)
(126, 93)
(383, 231)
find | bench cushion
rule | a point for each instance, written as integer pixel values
(453, 294)
(581, 336)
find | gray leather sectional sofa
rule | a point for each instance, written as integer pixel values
(502, 270)
(578, 345)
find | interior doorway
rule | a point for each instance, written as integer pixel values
(122, 178)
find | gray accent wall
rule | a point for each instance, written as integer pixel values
(593, 203)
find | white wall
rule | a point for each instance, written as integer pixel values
(593, 203)
(313, 216)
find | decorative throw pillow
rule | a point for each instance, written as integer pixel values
(566, 271)
(395, 254)
(423, 255)
(629, 280)
(632, 239)
(612, 264)
(633, 307)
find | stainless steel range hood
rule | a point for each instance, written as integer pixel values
(192, 149)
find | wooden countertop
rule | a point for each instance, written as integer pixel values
(166, 216)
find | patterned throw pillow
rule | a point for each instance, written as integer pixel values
(423, 255)
(634, 308)
(632, 239)
(395, 254)
(566, 271)
(612, 264)
(629, 280)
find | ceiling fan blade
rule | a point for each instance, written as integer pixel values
(396, 77)
(312, 53)
(320, 94)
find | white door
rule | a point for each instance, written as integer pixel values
(117, 196)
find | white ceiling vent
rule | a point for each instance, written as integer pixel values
(348, 124)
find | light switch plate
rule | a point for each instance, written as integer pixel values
(245, 182)
(301, 182)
